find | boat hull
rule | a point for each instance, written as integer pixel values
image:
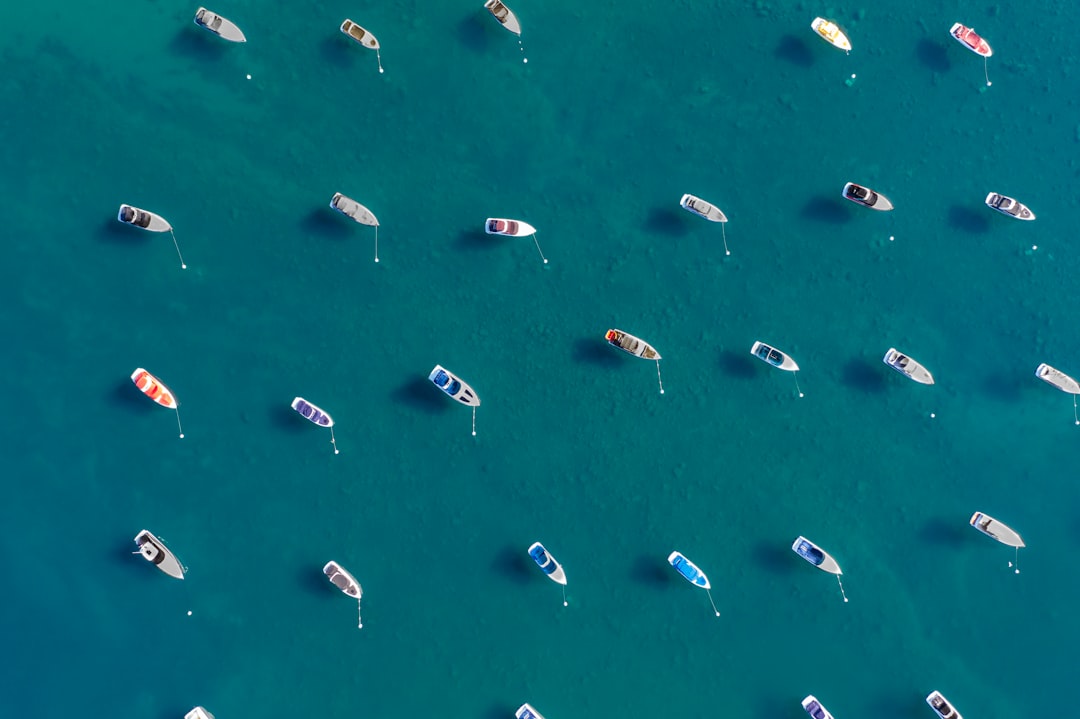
(198, 713)
(1009, 207)
(154, 551)
(831, 33)
(504, 15)
(1057, 378)
(815, 555)
(907, 367)
(773, 357)
(632, 345)
(526, 711)
(511, 228)
(689, 571)
(222, 27)
(312, 413)
(353, 209)
(341, 579)
(547, 563)
(814, 708)
(143, 219)
(701, 208)
(996, 530)
(875, 201)
(941, 706)
(453, 386)
(970, 39)
(359, 34)
(154, 388)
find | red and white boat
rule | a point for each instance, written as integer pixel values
(970, 39)
(156, 390)
(512, 228)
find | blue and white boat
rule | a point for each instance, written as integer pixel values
(315, 415)
(815, 555)
(813, 708)
(525, 711)
(692, 574)
(453, 386)
(547, 563)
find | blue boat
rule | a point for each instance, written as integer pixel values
(452, 385)
(689, 570)
(547, 563)
(315, 415)
(525, 711)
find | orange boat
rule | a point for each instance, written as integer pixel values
(153, 388)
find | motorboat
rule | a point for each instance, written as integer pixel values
(907, 366)
(941, 707)
(547, 563)
(315, 415)
(815, 555)
(773, 356)
(198, 713)
(970, 39)
(351, 208)
(453, 386)
(143, 219)
(701, 208)
(1008, 206)
(363, 37)
(996, 530)
(504, 15)
(1057, 378)
(348, 585)
(154, 551)
(526, 711)
(218, 25)
(632, 345)
(156, 390)
(814, 708)
(831, 33)
(866, 197)
(688, 570)
(512, 228)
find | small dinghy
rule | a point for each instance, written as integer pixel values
(831, 33)
(639, 348)
(154, 551)
(776, 358)
(512, 228)
(218, 25)
(156, 390)
(353, 209)
(866, 197)
(819, 558)
(315, 415)
(692, 574)
(456, 388)
(1062, 381)
(526, 711)
(999, 531)
(970, 39)
(813, 708)
(710, 212)
(1008, 206)
(347, 584)
(149, 221)
(907, 366)
(504, 15)
(363, 37)
(942, 707)
(550, 567)
(198, 713)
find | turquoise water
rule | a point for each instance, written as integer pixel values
(620, 110)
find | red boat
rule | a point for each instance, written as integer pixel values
(971, 40)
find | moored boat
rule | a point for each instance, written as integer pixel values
(154, 388)
(154, 551)
(688, 570)
(970, 39)
(631, 345)
(143, 219)
(508, 228)
(907, 366)
(814, 708)
(866, 197)
(351, 208)
(996, 530)
(198, 713)
(363, 37)
(831, 33)
(941, 706)
(453, 386)
(1008, 206)
(504, 15)
(348, 585)
(526, 711)
(815, 555)
(773, 356)
(1057, 378)
(547, 563)
(222, 27)
(701, 208)
(315, 415)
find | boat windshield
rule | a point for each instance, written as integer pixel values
(454, 388)
(811, 553)
(441, 379)
(496, 226)
(815, 710)
(858, 192)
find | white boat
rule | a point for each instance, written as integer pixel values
(198, 713)
(907, 366)
(143, 219)
(154, 551)
(348, 585)
(691, 573)
(814, 708)
(363, 37)
(504, 15)
(508, 228)
(1057, 378)
(831, 33)
(218, 25)
(941, 707)
(866, 197)
(997, 530)
(453, 386)
(815, 555)
(547, 563)
(1008, 206)
(773, 356)
(526, 711)
(701, 208)
(631, 345)
(351, 208)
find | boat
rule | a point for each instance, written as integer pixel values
(701, 208)
(689, 570)
(773, 356)
(997, 530)
(452, 385)
(1057, 378)
(218, 25)
(504, 15)
(526, 711)
(907, 366)
(351, 208)
(315, 415)
(941, 707)
(831, 33)
(363, 37)
(143, 219)
(508, 228)
(154, 388)
(866, 197)
(815, 555)
(198, 713)
(1008, 206)
(813, 708)
(632, 345)
(154, 551)
(970, 39)
(547, 563)
(347, 584)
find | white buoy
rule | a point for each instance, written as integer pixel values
(933, 415)
(1075, 418)
(986, 73)
(359, 619)
(334, 441)
(712, 602)
(522, 48)
(658, 379)
(1017, 565)
(564, 602)
(537, 243)
(797, 389)
(177, 246)
(189, 612)
(474, 421)
(891, 238)
(1034, 247)
(177, 408)
(376, 243)
(378, 57)
(249, 77)
(723, 233)
(842, 594)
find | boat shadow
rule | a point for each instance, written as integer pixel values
(864, 376)
(420, 393)
(737, 364)
(510, 562)
(589, 350)
(966, 219)
(198, 44)
(499, 711)
(1005, 387)
(287, 419)
(127, 395)
(323, 223)
(649, 570)
(667, 221)
(112, 230)
(943, 532)
(336, 49)
(773, 557)
(933, 55)
(822, 208)
(794, 50)
(314, 581)
(474, 35)
(475, 240)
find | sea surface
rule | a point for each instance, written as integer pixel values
(622, 107)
